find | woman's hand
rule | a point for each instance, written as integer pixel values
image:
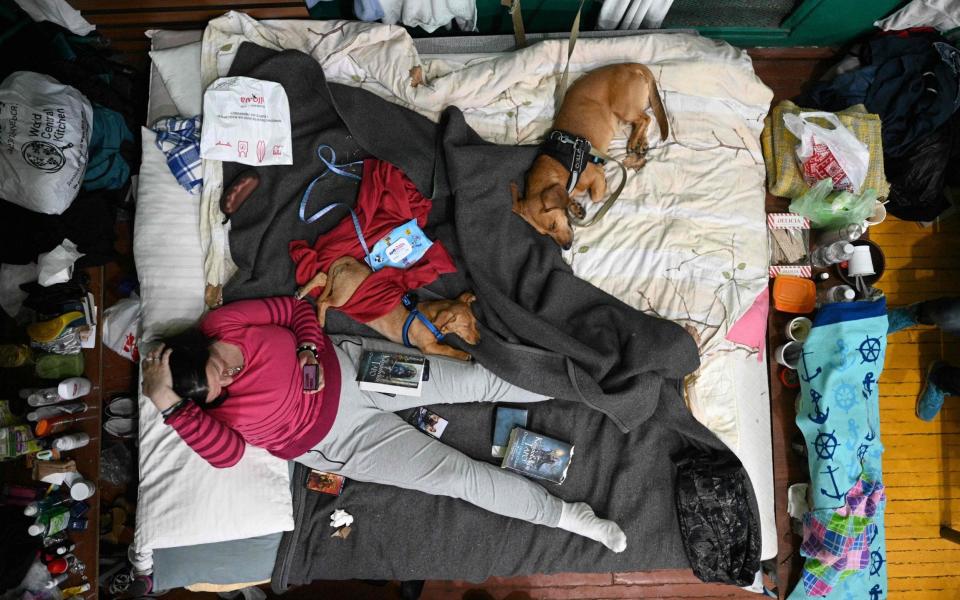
(157, 378)
(306, 357)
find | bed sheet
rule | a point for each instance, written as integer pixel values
(687, 239)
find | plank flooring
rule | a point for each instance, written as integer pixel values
(922, 460)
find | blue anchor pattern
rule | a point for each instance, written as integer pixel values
(844, 454)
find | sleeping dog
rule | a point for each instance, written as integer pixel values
(592, 110)
(346, 274)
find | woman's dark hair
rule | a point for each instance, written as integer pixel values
(188, 366)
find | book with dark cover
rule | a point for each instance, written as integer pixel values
(536, 455)
(507, 419)
(392, 373)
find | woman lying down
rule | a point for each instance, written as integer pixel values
(236, 379)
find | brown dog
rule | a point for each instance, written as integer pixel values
(593, 108)
(449, 316)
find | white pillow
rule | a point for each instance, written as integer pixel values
(943, 15)
(183, 500)
(180, 71)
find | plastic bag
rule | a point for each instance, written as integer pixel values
(121, 327)
(826, 208)
(45, 130)
(824, 153)
(918, 179)
(246, 120)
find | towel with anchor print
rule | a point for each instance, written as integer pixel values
(839, 416)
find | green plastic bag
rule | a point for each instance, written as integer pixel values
(826, 208)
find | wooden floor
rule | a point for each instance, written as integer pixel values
(922, 461)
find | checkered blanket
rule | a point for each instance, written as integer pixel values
(179, 140)
(838, 542)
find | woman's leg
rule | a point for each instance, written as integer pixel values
(943, 379)
(379, 447)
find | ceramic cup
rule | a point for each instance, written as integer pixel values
(861, 263)
(788, 354)
(798, 329)
(879, 215)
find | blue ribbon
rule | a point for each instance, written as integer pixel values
(332, 167)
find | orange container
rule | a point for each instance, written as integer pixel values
(794, 294)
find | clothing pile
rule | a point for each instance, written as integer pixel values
(70, 111)
(911, 79)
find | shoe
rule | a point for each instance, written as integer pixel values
(14, 355)
(901, 318)
(68, 389)
(121, 406)
(59, 366)
(121, 427)
(931, 396)
(47, 331)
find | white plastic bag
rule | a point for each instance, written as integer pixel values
(824, 153)
(246, 120)
(44, 134)
(121, 327)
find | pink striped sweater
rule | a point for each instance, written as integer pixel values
(266, 406)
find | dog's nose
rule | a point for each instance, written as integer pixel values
(567, 246)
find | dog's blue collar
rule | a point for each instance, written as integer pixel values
(571, 151)
(410, 304)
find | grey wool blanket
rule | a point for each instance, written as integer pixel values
(616, 372)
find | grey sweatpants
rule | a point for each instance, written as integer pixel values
(368, 442)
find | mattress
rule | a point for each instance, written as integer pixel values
(697, 256)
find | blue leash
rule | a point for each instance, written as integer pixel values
(415, 313)
(332, 167)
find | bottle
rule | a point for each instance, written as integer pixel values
(62, 549)
(838, 293)
(71, 442)
(51, 522)
(76, 590)
(45, 427)
(847, 233)
(56, 581)
(52, 501)
(837, 252)
(47, 412)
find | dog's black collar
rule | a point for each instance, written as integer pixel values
(571, 151)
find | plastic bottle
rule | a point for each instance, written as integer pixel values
(76, 590)
(45, 427)
(51, 522)
(836, 252)
(847, 233)
(53, 552)
(838, 293)
(71, 441)
(48, 412)
(46, 504)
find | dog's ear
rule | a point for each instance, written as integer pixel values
(517, 206)
(554, 197)
(467, 298)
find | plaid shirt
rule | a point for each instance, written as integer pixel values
(179, 140)
(839, 546)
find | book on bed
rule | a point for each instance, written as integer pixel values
(536, 455)
(392, 373)
(507, 420)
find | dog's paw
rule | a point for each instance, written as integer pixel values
(577, 210)
(634, 161)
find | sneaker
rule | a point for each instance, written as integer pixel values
(121, 406)
(68, 389)
(931, 396)
(120, 427)
(902, 318)
(47, 331)
(59, 366)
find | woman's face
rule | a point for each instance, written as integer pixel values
(216, 380)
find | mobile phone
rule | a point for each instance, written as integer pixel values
(311, 377)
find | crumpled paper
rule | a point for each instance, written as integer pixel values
(56, 266)
(340, 518)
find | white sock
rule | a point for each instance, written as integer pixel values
(580, 519)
